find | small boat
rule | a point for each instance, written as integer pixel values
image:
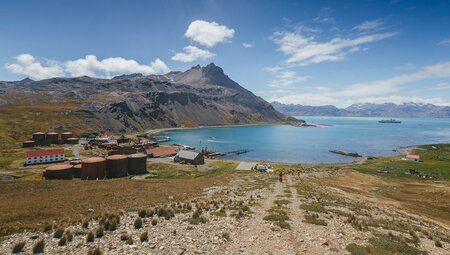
(389, 121)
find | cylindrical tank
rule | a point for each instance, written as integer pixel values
(66, 135)
(137, 163)
(58, 172)
(93, 168)
(52, 137)
(76, 171)
(72, 140)
(117, 166)
(39, 136)
(28, 144)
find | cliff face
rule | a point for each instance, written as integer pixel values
(129, 103)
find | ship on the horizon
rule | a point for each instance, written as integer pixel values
(389, 121)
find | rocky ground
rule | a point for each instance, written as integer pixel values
(254, 214)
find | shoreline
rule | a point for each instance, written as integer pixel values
(162, 130)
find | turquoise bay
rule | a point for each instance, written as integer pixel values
(289, 144)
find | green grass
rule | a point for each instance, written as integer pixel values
(174, 172)
(384, 245)
(434, 163)
(276, 217)
(314, 207)
(281, 202)
(8, 157)
(311, 219)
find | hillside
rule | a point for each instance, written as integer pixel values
(405, 110)
(130, 103)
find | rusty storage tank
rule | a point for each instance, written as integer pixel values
(28, 144)
(72, 140)
(93, 168)
(52, 137)
(58, 172)
(116, 166)
(66, 135)
(38, 136)
(137, 163)
(76, 171)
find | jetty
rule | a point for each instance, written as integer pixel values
(346, 153)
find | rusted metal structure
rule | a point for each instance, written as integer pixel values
(72, 140)
(76, 171)
(59, 172)
(66, 135)
(93, 168)
(38, 136)
(137, 163)
(116, 166)
(52, 137)
(28, 144)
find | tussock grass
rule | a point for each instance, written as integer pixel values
(314, 219)
(138, 223)
(39, 247)
(384, 245)
(18, 247)
(144, 237)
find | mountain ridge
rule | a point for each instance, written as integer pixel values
(406, 110)
(199, 96)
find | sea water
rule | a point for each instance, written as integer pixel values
(290, 144)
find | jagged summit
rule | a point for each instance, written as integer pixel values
(207, 75)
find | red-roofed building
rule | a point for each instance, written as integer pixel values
(412, 157)
(44, 156)
(162, 152)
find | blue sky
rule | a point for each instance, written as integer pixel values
(306, 52)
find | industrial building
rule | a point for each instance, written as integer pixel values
(161, 152)
(44, 156)
(189, 157)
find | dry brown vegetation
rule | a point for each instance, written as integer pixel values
(422, 197)
(30, 204)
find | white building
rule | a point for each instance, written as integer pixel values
(44, 156)
(412, 157)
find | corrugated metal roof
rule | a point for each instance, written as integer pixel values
(162, 151)
(187, 154)
(43, 153)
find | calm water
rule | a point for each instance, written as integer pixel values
(281, 143)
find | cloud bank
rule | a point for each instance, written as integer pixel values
(28, 65)
(208, 33)
(192, 53)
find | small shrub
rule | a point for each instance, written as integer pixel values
(62, 241)
(283, 224)
(39, 247)
(138, 223)
(314, 219)
(58, 233)
(124, 237)
(47, 228)
(85, 224)
(129, 240)
(226, 236)
(142, 213)
(438, 243)
(113, 225)
(150, 213)
(154, 222)
(95, 251)
(69, 236)
(144, 236)
(90, 237)
(18, 247)
(99, 232)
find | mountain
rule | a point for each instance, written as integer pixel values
(130, 103)
(406, 110)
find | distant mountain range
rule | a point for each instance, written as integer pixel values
(406, 110)
(131, 103)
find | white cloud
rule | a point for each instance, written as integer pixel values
(27, 65)
(192, 53)
(248, 45)
(390, 85)
(208, 33)
(392, 89)
(369, 25)
(109, 67)
(303, 50)
(445, 42)
(286, 79)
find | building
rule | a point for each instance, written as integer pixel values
(412, 157)
(189, 157)
(162, 152)
(44, 156)
(246, 166)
